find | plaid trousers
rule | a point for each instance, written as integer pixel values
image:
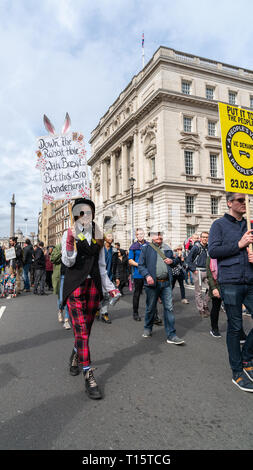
(82, 304)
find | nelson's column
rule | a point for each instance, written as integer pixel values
(12, 203)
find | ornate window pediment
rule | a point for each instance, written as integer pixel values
(150, 145)
(190, 142)
(150, 128)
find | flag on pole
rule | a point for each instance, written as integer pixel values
(143, 54)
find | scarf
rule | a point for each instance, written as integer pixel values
(214, 268)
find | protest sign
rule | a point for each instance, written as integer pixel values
(10, 254)
(62, 162)
(237, 146)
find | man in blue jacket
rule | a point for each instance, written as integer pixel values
(154, 265)
(229, 240)
(133, 257)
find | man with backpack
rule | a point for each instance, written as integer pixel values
(196, 261)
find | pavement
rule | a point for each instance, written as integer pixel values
(156, 395)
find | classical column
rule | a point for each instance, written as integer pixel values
(12, 229)
(113, 175)
(104, 181)
(124, 168)
(136, 158)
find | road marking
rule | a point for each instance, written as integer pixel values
(2, 309)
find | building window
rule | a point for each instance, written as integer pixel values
(214, 205)
(190, 230)
(232, 97)
(213, 166)
(188, 162)
(189, 204)
(251, 102)
(186, 87)
(209, 93)
(187, 124)
(211, 128)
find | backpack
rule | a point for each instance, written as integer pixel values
(201, 250)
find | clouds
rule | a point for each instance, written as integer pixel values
(62, 56)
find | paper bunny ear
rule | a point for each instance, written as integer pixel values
(67, 124)
(48, 125)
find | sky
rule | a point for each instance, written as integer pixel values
(76, 56)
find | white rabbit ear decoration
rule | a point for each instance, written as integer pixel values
(50, 128)
(66, 125)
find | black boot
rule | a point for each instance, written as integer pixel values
(91, 385)
(73, 362)
(157, 320)
(105, 318)
(136, 316)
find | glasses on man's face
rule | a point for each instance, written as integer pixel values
(241, 200)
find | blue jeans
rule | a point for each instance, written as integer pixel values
(60, 299)
(26, 269)
(186, 276)
(233, 296)
(164, 291)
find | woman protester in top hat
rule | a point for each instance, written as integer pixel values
(85, 282)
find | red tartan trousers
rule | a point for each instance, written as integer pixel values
(83, 303)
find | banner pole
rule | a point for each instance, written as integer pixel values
(248, 218)
(71, 220)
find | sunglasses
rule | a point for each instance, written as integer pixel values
(241, 200)
(87, 214)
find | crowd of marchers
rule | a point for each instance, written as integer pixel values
(218, 263)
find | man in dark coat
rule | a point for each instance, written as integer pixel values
(229, 243)
(28, 258)
(39, 269)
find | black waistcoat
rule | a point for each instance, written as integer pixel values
(86, 264)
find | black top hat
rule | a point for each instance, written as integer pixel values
(82, 200)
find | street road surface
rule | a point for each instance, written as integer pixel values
(156, 395)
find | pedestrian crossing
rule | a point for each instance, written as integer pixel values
(2, 309)
(192, 287)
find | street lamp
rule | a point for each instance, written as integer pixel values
(132, 180)
(26, 226)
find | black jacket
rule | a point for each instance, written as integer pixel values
(120, 268)
(233, 264)
(18, 261)
(39, 259)
(2, 257)
(28, 254)
(86, 264)
(197, 257)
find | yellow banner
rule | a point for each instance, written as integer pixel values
(237, 147)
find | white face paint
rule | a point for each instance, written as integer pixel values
(84, 212)
(84, 222)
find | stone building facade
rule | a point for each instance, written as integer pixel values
(163, 131)
(43, 221)
(58, 222)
